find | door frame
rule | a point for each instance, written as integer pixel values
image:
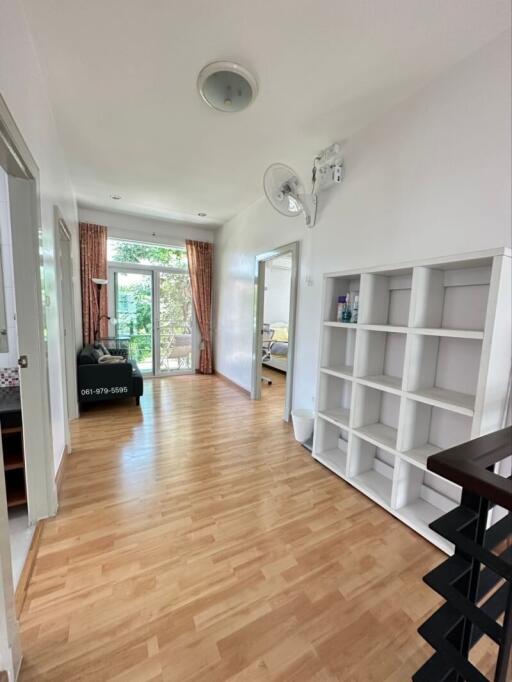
(66, 319)
(26, 227)
(259, 299)
(155, 271)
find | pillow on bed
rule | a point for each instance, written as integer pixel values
(279, 348)
(280, 334)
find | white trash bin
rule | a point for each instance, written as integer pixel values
(303, 421)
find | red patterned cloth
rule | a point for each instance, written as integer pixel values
(200, 267)
(93, 264)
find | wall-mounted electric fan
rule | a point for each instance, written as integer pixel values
(286, 193)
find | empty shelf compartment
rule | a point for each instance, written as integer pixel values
(451, 296)
(371, 469)
(380, 359)
(422, 497)
(427, 430)
(335, 398)
(376, 416)
(443, 371)
(331, 446)
(338, 346)
(385, 298)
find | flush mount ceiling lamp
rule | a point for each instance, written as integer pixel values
(227, 86)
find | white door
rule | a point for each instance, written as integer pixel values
(33, 352)
(131, 312)
(175, 325)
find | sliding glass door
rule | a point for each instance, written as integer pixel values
(152, 313)
(133, 314)
(175, 323)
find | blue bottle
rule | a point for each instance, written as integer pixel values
(347, 312)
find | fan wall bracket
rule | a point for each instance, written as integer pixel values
(309, 206)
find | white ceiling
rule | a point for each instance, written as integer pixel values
(122, 78)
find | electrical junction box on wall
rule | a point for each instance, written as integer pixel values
(330, 169)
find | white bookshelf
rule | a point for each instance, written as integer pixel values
(427, 366)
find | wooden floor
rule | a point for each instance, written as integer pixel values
(197, 541)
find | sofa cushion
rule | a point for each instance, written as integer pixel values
(90, 354)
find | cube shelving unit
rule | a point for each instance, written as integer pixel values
(427, 366)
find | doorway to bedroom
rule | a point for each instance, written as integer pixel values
(276, 294)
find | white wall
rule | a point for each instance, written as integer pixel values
(24, 90)
(151, 230)
(8, 359)
(431, 178)
(276, 307)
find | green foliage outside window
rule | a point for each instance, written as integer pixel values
(146, 254)
(134, 299)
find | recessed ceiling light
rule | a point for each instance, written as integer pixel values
(116, 197)
(202, 215)
(227, 86)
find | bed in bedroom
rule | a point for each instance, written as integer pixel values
(275, 346)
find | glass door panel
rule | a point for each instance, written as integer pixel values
(175, 324)
(134, 315)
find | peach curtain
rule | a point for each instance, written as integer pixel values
(200, 267)
(93, 263)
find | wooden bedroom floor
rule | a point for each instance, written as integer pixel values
(197, 541)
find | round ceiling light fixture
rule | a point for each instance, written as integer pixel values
(227, 86)
(202, 215)
(115, 197)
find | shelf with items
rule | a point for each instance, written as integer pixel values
(337, 287)
(380, 359)
(376, 415)
(420, 497)
(385, 298)
(451, 297)
(371, 469)
(331, 446)
(443, 371)
(334, 402)
(338, 347)
(428, 363)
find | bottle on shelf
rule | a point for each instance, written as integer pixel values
(341, 308)
(355, 308)
(347, 313)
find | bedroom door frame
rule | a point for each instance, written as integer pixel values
(259, 297)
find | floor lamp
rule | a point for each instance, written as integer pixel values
(99, 283)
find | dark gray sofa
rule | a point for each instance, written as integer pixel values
(104, 381)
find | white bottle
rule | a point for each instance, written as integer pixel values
(355, 308)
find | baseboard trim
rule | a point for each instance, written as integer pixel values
(232, 383)
(22, 587)
(60, 472)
